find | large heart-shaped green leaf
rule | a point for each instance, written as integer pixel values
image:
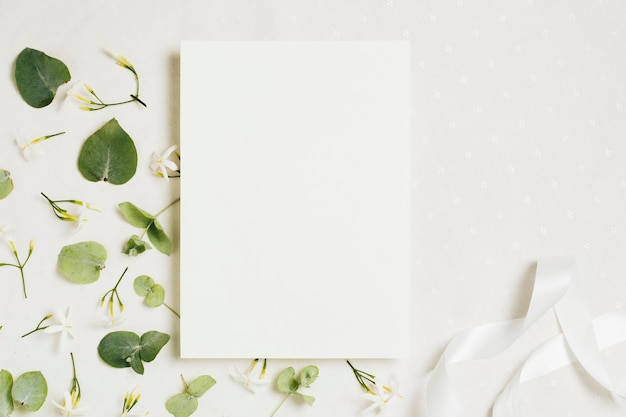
(6, 400)
(30, 390)
(6, 183)
(82, 262)
(181, 405)
(108, 155)
(38, 76)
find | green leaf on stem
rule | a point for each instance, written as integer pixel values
(38, 76)
(123, 349)
(82, 262)
(159, 238)
(135, 216)
(146, 287)
(108, 155)
(286, 381)
(199, 386)
(135, 246)
(182, 405)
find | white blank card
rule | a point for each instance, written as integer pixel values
(295, 199)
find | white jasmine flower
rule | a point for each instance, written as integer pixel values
(26, 145)
(383, 396)
(83, 94)
(247, 379)
(120, 59)
(160, 164)
(110, 314)
(70, 405)
(64, 327)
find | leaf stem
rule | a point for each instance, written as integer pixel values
(280, 404)
(171, 309)
(167, 207)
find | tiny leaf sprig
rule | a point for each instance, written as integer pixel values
(185, 403)
(91, 101)
(113, 297)
(152, 228)
(19, 264)
(145, 286)
(288, 383)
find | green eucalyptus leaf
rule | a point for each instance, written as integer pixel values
(142, 285)
(135, 216)
(156, 296)
(38, 76)
(30, 390)
(6, 400)
(136, 364)
(108, 155)
(308, 375)
(118, 348)
(6, 183)
(151, 344)
(200, 385)
(159, 238)
(181, 405)
(135, 246)
(82, 262)
(286, 381)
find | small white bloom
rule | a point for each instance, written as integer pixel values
(64, 327)
(27, 145)
(5, 232)
(70, 405)
(121, 59)
(110, 314)
(247, 379)
(160, 164)
(383, 396)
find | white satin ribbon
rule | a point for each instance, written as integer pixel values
(556, 286)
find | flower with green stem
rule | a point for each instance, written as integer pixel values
(383, 396)
(26, 145)
(19, 264)
(161, 164)
(130, 400)
(39, 326)
(69, 407)
(91, 101)
(247, 379)
(111, 315)
(66, 215)
(64, 327)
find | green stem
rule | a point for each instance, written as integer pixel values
(280, 404)
(166, 207)
(172, 310)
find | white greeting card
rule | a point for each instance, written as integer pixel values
(295, 199)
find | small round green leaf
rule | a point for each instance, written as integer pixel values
(151, 344)
(181, 405)
(308, 375)
(108, 155)
(200, 385)
(6, 183)
(159, 238)
(82, 262)
(156, 296)
(118, 348)
(134, 215)
(286, 381)
(38, 76)
(30, 390)
(142, 285)
(6, 400)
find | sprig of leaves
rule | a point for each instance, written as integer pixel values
(288, 383)
(155, 293)
(144, 220)
(126, 349)
(186, 402)
(19, 264)
(29, 390)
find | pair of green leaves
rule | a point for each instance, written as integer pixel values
(146, 287)
(144, 220)
(6, 183)
(38, 76)
(288, 383)
(185, 403)
(29, 390)
(108, 155)
(82, 262)
(126, 349)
